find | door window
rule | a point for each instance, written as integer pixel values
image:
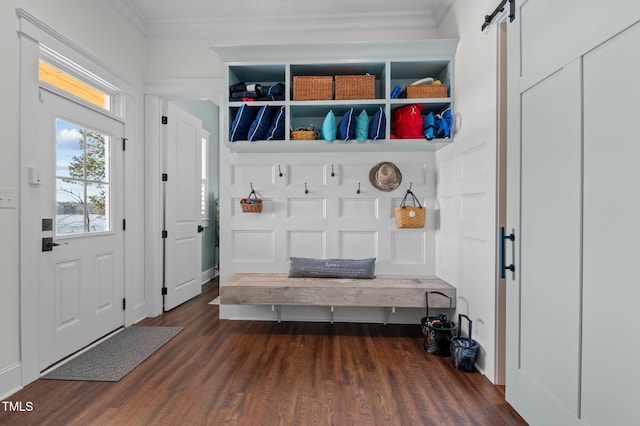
(74, 86)
(82, 179)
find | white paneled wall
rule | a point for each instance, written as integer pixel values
(331, 220)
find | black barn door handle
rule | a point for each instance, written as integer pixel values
(503, 268)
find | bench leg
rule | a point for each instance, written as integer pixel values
(277, 311)
(392, 310)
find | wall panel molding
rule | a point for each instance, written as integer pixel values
(331, 221)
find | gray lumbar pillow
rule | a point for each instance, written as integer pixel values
(304, 267)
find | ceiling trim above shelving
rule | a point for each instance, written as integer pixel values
(198, 18)
(336, 52)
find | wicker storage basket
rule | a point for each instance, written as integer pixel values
(302, 135)
(355, 86)
(251, 205)
(427, 91)
(312, 88)
(410, 216)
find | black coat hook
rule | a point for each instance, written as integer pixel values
(332, 172)
(358, 191)
(279, 171)
(306, 191)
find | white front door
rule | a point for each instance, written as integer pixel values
(182, 206)
(82, 272)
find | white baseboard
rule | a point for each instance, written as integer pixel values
(10, 380)
(208, 275)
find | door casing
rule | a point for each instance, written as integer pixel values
(183, 135)
(156, 94)
(71, 323)
(32, 33)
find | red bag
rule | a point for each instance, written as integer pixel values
(407, 122)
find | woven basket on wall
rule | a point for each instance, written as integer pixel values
(251, 205)
(410, 216)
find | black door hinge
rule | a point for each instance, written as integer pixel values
(165, 120)
(165, 177)
(164, 291)
(124, 224)
(124, 304)
(124, 144)
(164, 234)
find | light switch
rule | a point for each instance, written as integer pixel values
(8, 198)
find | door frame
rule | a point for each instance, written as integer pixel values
(157, 92)
(501, 196)
(32, 33)
(84, 252)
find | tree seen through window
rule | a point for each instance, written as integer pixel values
(82, 179)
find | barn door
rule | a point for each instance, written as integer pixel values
(568, 201)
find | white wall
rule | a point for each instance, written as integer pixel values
(188, 58)
(168, 59)
(466, 189)
(93, 26)
(331, 221)
(9, 219)
(466, 171)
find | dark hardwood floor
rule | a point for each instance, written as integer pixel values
(263, 373)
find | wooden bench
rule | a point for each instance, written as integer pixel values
(386, 291)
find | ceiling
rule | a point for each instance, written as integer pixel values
(210, 18)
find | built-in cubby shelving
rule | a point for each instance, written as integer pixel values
(391, 64)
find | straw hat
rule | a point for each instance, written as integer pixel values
(385, 176)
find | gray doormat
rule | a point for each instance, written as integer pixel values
(114, 358)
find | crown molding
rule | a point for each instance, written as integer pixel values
(440, 10)
(216, 28)
(131, 13)
(223, 28)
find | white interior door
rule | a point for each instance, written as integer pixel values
(81, 186)
(182, 206)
